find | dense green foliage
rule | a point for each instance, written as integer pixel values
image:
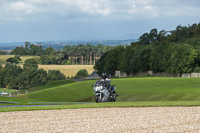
(55, 75)
(129, 89)
(177, 51)
(110, 61)
(14, 77)
(2, 52)
(30, 64)
(29, 49)
(8, 75)
(14, 60)
(81, 74)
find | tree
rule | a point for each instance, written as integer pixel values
(81, 74)
(19, 51)
(148, 38)
(30, 64)
(182, 59)
(27, 45)
(49, 51)
(31, 78)
(55, 75)
(2, 52)
(9, 74)
(14, 59)
(36, 50)
(1, 76)
(13, 76)
(175, 52)
(158, 57)
(109, 61)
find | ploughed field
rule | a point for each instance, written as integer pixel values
(145, 119)
(129, 89)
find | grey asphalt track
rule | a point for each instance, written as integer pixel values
(4, 106)
(56, 102)
(9, 102)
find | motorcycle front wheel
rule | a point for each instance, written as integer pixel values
(97, 99)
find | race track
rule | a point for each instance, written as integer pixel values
(141, 119)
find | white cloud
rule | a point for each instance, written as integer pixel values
(137, 9)
(26, 8)
(82, 19)
(94, 8)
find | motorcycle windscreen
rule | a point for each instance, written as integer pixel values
(98, 83)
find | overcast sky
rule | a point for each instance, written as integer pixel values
(49, 20)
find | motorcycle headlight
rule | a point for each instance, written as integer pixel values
(98, 88)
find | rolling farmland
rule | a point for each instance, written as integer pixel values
(3, 58)
(67, 70)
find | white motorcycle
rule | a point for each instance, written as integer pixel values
(104, 93)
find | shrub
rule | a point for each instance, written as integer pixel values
(197, 69)
(81, 74)
(55, 75)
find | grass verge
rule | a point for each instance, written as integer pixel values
(7, 90)
(106, 105)
(22, 101)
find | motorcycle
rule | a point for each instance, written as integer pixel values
(104, 93)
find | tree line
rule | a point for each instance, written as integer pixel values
(2, 52)
(175, 52)
(76, 54)
(15, 77)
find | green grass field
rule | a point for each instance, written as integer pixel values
(22, 98)
(130, 89)
(17, 99)
(7, 90)
(134, 92)
(49, 85)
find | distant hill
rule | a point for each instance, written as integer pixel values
(58, 45)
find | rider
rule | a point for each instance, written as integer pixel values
(106, 81)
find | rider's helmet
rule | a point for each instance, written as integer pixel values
(104, 76)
